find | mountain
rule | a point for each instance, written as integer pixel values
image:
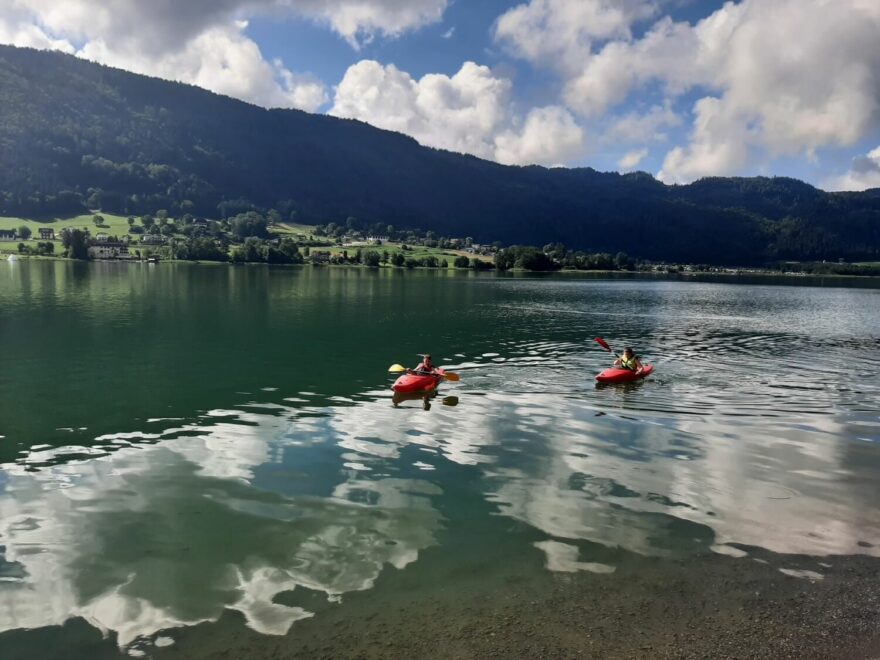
(77, 135)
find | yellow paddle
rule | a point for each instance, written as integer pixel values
(399, 369)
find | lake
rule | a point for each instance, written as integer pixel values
(205, 461)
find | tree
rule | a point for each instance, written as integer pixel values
(371, 259)
(98, 220)
(76, 242)
(273, 217)
(168, 229)
(291, 252)
(147, 221)
(249, 224)
(131, 221)
(24, 232)
(461, 262)
(253, 249)
(479, 264)
(398, 259)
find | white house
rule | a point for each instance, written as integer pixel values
(108, 250)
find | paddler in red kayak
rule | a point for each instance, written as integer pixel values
(628, 360)
(426, 366)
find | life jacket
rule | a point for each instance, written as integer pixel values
(422, 367)
(629, 363)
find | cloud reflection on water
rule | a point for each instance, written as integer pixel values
(249, 503)
(171, 534)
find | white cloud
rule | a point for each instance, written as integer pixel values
(549, 136)
(784, 76)
(468, 112)
(561, 33)
(225, 61)
(358, 20)
(864, 173)
(644, 127)
(203, 42)
(18, 29)
(776, 77)
(161, 24)
(718, 145)
(631, 159)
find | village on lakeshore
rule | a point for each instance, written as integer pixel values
(255, 237)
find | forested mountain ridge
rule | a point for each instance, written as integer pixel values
(77, 135)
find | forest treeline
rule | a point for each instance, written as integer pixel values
(76, 136)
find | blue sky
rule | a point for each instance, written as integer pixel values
(679, 88)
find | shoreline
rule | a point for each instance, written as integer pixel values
(705, 606)
(733, 273)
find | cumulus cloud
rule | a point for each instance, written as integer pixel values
(363, 19)
(162, 24)
(718, 145)
(785, 77)
(225, 61)
(864, 173)
(469, 112)
(549, 136)
(561, 33)
(203, 42)
(776, 77)
(631, 159)
(649, 126)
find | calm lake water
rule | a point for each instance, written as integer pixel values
(193, 457)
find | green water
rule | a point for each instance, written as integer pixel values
(188, 449)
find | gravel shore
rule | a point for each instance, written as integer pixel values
(710, 606)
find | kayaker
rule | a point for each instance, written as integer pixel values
(628, 360)
(426, 366)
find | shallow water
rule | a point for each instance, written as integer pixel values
(184, 443)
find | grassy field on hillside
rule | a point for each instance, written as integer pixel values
(113, 224)
(117, 225)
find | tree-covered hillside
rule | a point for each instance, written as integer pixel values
(75, 135)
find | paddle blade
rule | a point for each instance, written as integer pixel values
(603, 344)
(452, 377)
(396, 369)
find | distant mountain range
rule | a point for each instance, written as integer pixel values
(77, 135)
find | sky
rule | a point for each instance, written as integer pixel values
(681, 89)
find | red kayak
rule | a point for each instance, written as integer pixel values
(615, 375)
(418, 382)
